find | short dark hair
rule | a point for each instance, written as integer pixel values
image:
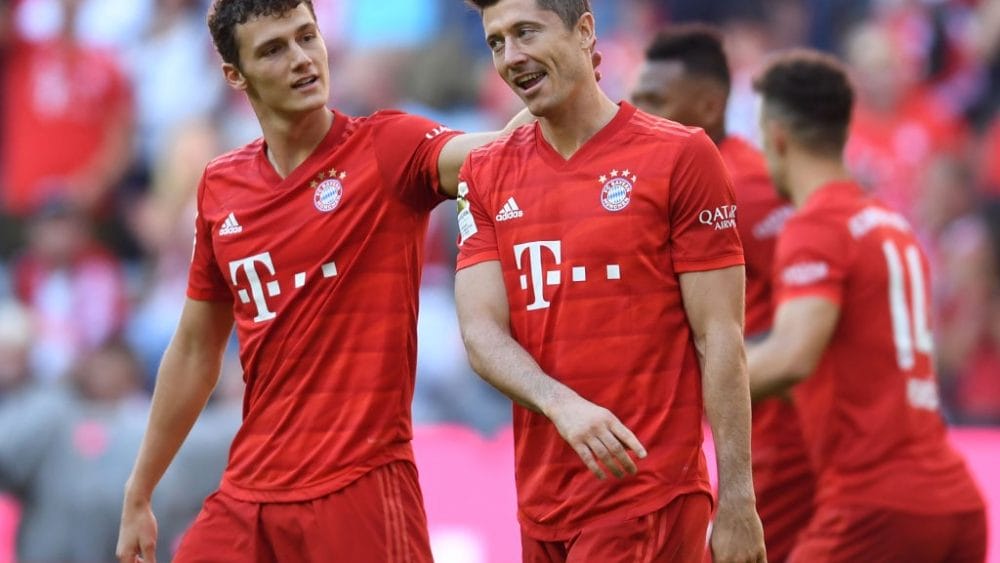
(811, 93)
(569, 11)
(225, 15)
(697, 46)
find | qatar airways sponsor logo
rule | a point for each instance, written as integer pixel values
(805, 273)
(869, 218)
(722, 217)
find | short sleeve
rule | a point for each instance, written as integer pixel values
(407, 148)
(811, 261)
(702, 210)
(477, 240)
(205, 281)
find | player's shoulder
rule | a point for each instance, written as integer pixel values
(518, 142)
(234, 161)
(394, 116)
(663, 129)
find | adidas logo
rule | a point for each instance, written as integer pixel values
(230, 226)
(510, 211)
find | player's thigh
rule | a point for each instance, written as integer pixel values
(377, 519)
(674, 534)
(852, 533)
(226, 530)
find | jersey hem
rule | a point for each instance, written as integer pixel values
(545, 533)
(470, 261)
(709, 264)
(790, 294)
(199, 295)
(402, 452)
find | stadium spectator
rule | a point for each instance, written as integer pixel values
(73, 286)
(67, 123)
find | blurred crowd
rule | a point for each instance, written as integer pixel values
(109, 110)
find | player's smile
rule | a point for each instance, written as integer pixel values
(307, 84)
(529, 83)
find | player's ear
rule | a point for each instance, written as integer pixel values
(711, 104)
(234, 77)
(778, 134)
(587, 29)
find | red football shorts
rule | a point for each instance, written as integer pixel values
(674, 534)
(855, 533)
(379, 519)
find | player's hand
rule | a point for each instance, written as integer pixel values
(595, 433)
(737, 535)
(137, 534)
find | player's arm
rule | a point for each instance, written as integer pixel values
(187, 376)
(800, 334)
(594, 432)
(713, 301)
(458, 147)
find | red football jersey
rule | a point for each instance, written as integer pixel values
(591, 250)
(761, 215)
(59, 103)
(323, 270)
(783, 480)
(870, 410)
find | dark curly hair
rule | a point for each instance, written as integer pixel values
(811, 93)
(696, 46)
(225, 15)
(569, 10)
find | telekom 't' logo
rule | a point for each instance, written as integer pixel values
(552, 277)
(539, 277)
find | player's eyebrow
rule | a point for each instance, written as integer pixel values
(514, 26)
(308, 26)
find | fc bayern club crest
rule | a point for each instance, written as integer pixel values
(616, 190)
(329, 191)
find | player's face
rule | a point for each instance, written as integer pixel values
(541, 59)
(283, 62)
(664, 89)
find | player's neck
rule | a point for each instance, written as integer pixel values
(810, 173)
(290, 141)
(573, 124)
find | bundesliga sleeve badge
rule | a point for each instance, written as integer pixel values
(466, 222)
(616, 190)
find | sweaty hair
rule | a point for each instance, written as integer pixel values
(811, 93)
(698, 47)
(225, 15)
(569, 11)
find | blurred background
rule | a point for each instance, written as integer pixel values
(109, 110)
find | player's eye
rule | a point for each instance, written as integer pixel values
(495, 45)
